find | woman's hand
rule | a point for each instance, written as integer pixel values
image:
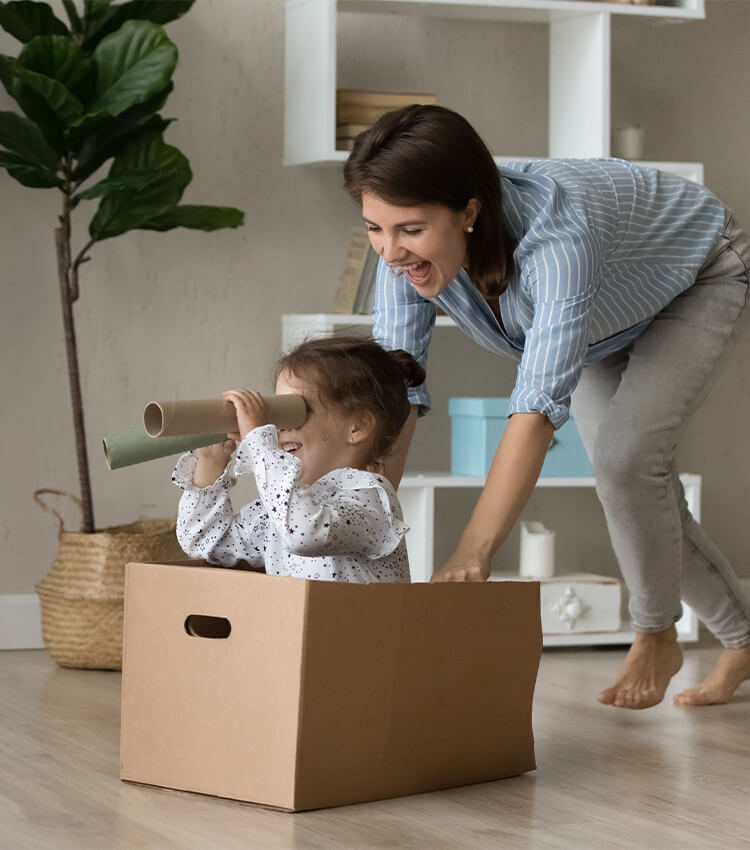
(251, 411)
(464, 567)
(510, 482)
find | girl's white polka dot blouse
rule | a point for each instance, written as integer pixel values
(347, 526)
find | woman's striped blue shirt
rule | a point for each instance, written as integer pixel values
(603, 246)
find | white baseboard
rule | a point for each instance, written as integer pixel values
(20, 622)
(21, 625)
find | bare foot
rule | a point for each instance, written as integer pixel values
(650, 663)
(731, 669)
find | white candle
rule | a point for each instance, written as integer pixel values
(628, 142)
(537, 551)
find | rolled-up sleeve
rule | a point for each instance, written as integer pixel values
(403, 319)
(560, 276)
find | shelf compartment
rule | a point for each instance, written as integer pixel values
(579, 65)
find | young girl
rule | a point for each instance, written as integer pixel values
(323, 513)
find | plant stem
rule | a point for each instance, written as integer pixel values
(62, 242)
(79, 260)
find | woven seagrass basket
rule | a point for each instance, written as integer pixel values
(82, 596)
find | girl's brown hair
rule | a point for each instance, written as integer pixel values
(432, 155)
(355, 373)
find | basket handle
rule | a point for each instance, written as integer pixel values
(45, 507)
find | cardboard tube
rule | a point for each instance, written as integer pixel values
(172, 418)
(130, 447)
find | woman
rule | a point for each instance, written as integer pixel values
(615, 288)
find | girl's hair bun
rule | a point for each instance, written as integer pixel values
(413, 373)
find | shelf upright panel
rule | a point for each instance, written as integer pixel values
(579, 81)
(309, 81)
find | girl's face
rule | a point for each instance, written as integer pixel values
(327, 440)
(427, 242)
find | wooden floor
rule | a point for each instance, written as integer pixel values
(665, 778)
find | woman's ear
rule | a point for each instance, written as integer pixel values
(361, 426)
(471, 213)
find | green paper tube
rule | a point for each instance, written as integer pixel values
(130, 447)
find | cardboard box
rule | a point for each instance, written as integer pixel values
(317, 693)
(577, 603)
(477, 424)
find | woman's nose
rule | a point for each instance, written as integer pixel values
(392, 251)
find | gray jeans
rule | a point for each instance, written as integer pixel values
(631, 409)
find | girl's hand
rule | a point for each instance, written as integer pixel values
(464, 567)
(212, 461)
(219, 453)
(251, 411)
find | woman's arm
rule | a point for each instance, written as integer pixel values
(510, 482)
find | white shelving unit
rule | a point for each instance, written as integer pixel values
(579, 126)
(417, 491)
(579, 65)
(417, 497)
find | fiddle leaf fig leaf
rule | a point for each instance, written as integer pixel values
(196, 217)
(129, 208)
(133, 65)
(64, 105)
(33, 105)
(22, 137)
(98, 138)
(136, 179)
(25, 20)
(113, 17)
(93, 9)
(29, 174)
(60, 59)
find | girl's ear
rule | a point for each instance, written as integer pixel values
(361, 426)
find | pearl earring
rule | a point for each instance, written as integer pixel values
(470, 229)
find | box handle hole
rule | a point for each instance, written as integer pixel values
(201, 625)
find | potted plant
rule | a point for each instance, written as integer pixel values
(89, 92)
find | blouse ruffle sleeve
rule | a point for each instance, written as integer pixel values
(347, 511)
(207, 526)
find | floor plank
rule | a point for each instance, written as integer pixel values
(665, 778)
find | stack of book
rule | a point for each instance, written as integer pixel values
(357, 110)
(356, 290)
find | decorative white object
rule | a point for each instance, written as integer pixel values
(575, 608)
(537, 550)
(570, 607)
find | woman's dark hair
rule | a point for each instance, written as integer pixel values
(432, 155)
(355, 373)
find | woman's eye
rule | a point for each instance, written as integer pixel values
(370, 228)
(413, 232)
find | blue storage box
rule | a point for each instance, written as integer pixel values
(477, 425)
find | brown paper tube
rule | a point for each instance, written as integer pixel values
(172, 418)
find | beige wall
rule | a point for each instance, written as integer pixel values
(186, 314)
